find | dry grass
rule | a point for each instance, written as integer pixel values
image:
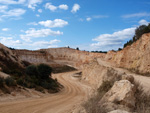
(142, 100)
(92, 105)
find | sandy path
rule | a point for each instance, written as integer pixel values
(74, 93)
(143, 80)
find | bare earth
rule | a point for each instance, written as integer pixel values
(73, 94)
(143, 80)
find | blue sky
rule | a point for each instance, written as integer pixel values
(88, 24)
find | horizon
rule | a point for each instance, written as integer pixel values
(89, 25)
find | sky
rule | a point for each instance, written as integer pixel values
(92, 25)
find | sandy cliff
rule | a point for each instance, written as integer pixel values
(135, 57)
(57, 55)
(8, 59)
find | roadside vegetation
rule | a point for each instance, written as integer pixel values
(62, 69)
(138, 33)
(142, 99)
(38, 77)
(92, 106)
(32, 76)
(6, 84)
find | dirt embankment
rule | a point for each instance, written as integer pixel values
(54, 56)
(135, 57)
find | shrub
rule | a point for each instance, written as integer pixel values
(44, 71)
(10, 81)
(31, 70)
(20, 81)
(91, 106)
(39, 88)
(1, 82)
(142, 98)
(138, 33)
(105, 87)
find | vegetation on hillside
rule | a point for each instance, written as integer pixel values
(99, 51)
(6, 84)
(138, 33)
(38, 77)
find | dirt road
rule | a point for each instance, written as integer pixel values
(72, 95)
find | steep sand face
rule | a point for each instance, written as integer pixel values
(34, 56)
(7, 56)
(57, 55)
(136, 56)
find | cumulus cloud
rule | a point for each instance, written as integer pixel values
(54, 23)
(63, 6)
(40, 10)
(48, 44)
(3, 8)
(114, 40)
(12, 2)
(30, 3)
(50, 7)
(33, 3)
(54, 8)
(75, 8)
(14, 13)
(37, 15)
(88, 19)
(32, 23)
(32, 33)
(9, 41)
(143, 22)
(5, 29)
(136, 15)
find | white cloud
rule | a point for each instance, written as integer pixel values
(33, 3)
(54, 23)
(63, 6)
(3, 8)
(40, 10)
(48, 44)
(30, 3)
(32, 33)
(113, 41)
(12, 2)
(5, 29)
(143, 22)
(88, 19)
(32, 23)
(75, 8)
(37, 15)
(136, 15)
(50, 7)
(8, 41)
(14, 13)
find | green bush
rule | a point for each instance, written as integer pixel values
(138, 33)
(44, 71)
(31, 70)
(1, 82)
(10, 81)
(39, 88)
